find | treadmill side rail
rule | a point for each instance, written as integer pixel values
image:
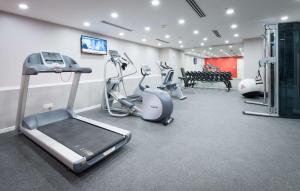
(71, 159)
(105, 126)
(61, 152)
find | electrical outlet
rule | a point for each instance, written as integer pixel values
(48, 106)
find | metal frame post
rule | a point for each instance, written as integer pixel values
(73, 91)
(22, 101)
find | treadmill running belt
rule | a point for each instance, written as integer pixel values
(83, 138)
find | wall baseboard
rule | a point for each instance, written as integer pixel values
(12, 128)
(88, 108)
(7, 129)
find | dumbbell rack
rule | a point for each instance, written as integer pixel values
(192, 77)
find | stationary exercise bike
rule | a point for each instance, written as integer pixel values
(167, 74)
(156, 105)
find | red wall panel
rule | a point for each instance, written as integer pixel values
(225, 64)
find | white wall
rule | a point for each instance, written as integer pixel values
(22, 36)
(189, 65)
(253, 52)
(240, 68)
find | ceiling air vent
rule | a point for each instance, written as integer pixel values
(216, 33)
(117, 26)
(196, 8)
(162, 41)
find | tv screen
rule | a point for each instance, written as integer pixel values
(93, 45)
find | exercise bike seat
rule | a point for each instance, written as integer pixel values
(126, 103)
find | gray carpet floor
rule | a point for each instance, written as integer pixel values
(209, 146)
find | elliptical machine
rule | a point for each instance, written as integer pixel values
(157, 105)
(167, 74)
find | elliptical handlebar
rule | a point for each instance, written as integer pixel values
(122, 63)
(168, 67)
(143, 73)
(162, 66)
(165, 66)
(130, 62)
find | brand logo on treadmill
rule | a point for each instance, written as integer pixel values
(87, 152)
(153, 106)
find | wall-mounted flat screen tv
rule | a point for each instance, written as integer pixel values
(91, 45)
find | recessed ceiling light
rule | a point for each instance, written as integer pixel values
(226, 41)
(147, 28)
(205, 39)
(155, 2)
(210, 48)
(181, 21)
(229, 11)
(230, 46)
(284, 18)
(86, 24)
(236, 35)
(181, 46)
(202, 44)
(159, 44)
(167, 36)
(180, 42)
(144, 40)
(234, 26)
(121, 34)
(196, 32)
(23, 6)
(114, 15)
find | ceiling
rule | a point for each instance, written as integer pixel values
(232, 50)
(250, 15)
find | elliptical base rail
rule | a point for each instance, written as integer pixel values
(256, 103)
(260, 114)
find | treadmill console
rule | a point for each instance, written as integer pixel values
(53, 60)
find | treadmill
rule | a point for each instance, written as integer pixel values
(76, 141)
